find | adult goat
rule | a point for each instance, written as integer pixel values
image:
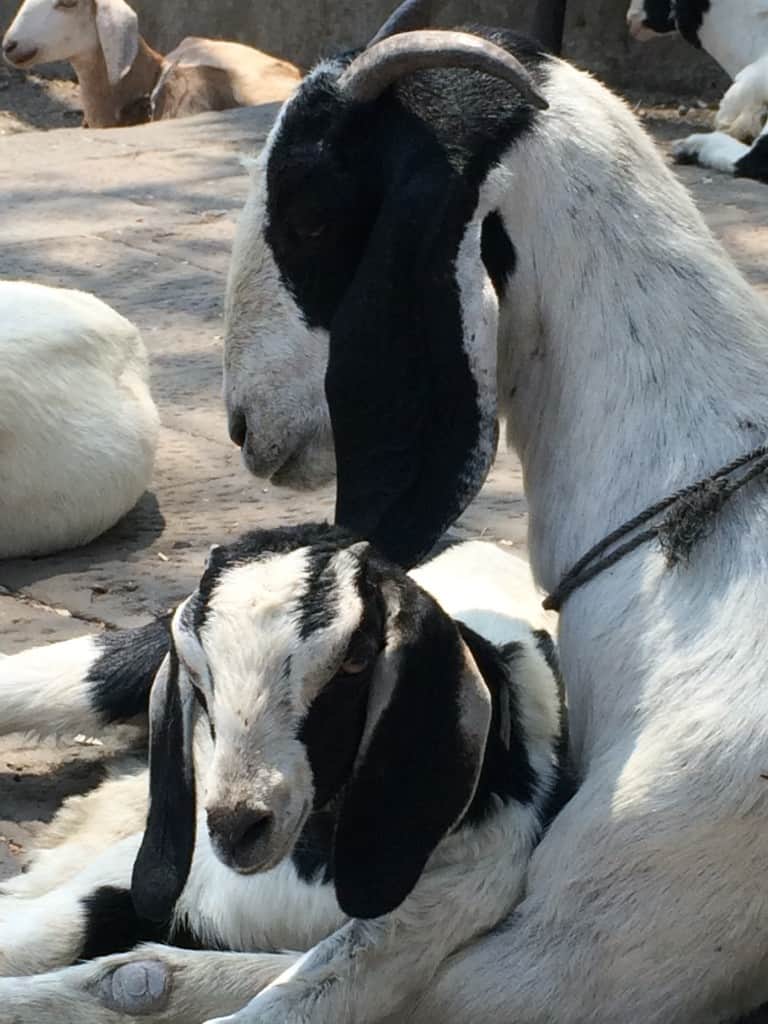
(432, 250)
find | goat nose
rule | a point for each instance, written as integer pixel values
(238, 427)
(240, 835)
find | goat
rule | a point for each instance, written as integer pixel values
(450, 255)
(374, 768)
(78, 427)
(124, 81)
(735, 33)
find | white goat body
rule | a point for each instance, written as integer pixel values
(78, 428)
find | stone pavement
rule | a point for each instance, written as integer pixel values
(144, 218)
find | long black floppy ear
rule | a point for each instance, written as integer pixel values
(164, 858)
(420, 757)
(413, 410)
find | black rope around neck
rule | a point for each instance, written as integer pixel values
(689, 514)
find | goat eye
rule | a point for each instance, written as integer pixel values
(355, 665)
(65, 4)
(309, 231)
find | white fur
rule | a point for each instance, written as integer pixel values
(353, 969)
(78, 428)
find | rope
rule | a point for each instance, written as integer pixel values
(690, 514)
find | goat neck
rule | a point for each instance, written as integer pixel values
(103, 103)
(650, 369)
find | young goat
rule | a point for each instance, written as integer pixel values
(432, 251)
(372, 769)
(735, 33)
(124, 81)
(78, 427)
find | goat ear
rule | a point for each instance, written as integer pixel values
(420, 757)
(413, 409)
(118, 28)
(164, 858)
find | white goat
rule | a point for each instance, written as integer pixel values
(124, 81)
(735, 33)
(78, 428)
(374, 774)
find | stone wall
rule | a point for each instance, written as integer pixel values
(595, 35)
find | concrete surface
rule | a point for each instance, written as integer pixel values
(144, 217)
(302, 32)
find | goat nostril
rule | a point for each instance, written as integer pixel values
(238, 427)
(10, 46)
(240, 836)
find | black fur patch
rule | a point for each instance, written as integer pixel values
(498, 253)
(754, 164)
(121, 677)
(507, 773)
(657, 15)
(312, 855)
(367, 206)
(113, 926)
(689, 15)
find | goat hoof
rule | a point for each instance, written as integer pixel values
(136, 988)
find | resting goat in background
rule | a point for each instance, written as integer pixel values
(432, 250)
(372, 771)
(735, 33)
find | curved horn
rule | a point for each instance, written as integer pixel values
(410, 15)
(374, 69)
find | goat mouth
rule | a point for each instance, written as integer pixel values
(19, 60)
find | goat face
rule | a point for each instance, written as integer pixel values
(367, 272)
(48, 30)
(74, 30)
(328, 680)
(650, 18)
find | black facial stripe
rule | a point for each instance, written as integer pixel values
(319, 604)
(506, 774)
(689, 15)
(258, 544)
(120, 679)
(498, 253)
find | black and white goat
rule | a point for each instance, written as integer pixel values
(735, 33)
(372, 770)
(433, 250)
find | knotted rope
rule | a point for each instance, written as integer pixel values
(690, 515)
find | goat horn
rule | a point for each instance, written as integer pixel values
(385, 62)
(410, 15)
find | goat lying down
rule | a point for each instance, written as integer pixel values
(735, 34)
(372, 770)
